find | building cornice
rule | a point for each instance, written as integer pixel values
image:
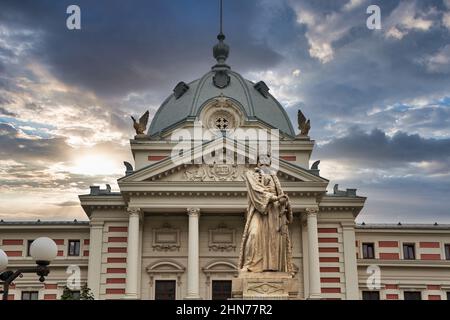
(108, 201)
(39, 225)
(401, 227)
(404, 263)
(57, 263)
(285, 145)
(330, 203)
(207, 186)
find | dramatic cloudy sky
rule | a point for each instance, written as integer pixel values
(379, 100)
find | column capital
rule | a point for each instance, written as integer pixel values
(97, 224)
(193, 212)
(348, 224)
(134, 211)
(312, 211)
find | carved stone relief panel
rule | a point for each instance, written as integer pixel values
(222, 239)
(166, 238)
(216, 172)
(266, 288)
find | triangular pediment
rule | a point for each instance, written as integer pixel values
(187, 168)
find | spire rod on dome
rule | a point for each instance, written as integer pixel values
(221, 49)
(221, 15)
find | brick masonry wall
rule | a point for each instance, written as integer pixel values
(16, 249)
(52, 288)
(392, 249)
(399, 275)
(331, 261)
(114, 260)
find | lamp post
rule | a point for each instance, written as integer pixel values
(43, 250)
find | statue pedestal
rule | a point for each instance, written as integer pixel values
(141, 136)
(264, 286)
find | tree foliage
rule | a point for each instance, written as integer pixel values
(84, 294)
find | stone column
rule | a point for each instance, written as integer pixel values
(313, 254)
(350, 263)
(193, 281)
(95, 257)
(131, 289)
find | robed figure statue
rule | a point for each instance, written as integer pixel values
(266, 244)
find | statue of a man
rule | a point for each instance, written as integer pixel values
(266, 245)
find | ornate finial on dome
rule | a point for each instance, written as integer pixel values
(221, 50)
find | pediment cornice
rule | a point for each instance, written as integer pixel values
(190, 169)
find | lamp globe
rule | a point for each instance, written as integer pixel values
(43, 250)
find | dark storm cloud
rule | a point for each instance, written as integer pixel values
(385, 170)
(147, 45)
(376, 75)
(68, 204)
(408, 199)
(5, 112)
(27, 175)
(13, 146)
(33, 107)
(368, 69)
(377, 147)
(131, 55)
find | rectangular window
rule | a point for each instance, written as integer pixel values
(74, 247)
(368, 251)
(412, 295)
(165, 289)
(448, 295)
(30, 295)
(29, 242)
(371, 295)
(221, 289)
(447, 252)
(409, 252)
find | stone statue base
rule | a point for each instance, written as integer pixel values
(264, 286)
(141, 136)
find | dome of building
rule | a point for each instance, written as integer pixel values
(254, 100)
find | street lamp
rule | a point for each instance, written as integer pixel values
(43, 250)
(3, 260)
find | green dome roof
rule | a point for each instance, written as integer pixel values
(255, 104)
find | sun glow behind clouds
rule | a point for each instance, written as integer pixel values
(90, 165)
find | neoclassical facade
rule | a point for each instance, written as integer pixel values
(174, 229)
